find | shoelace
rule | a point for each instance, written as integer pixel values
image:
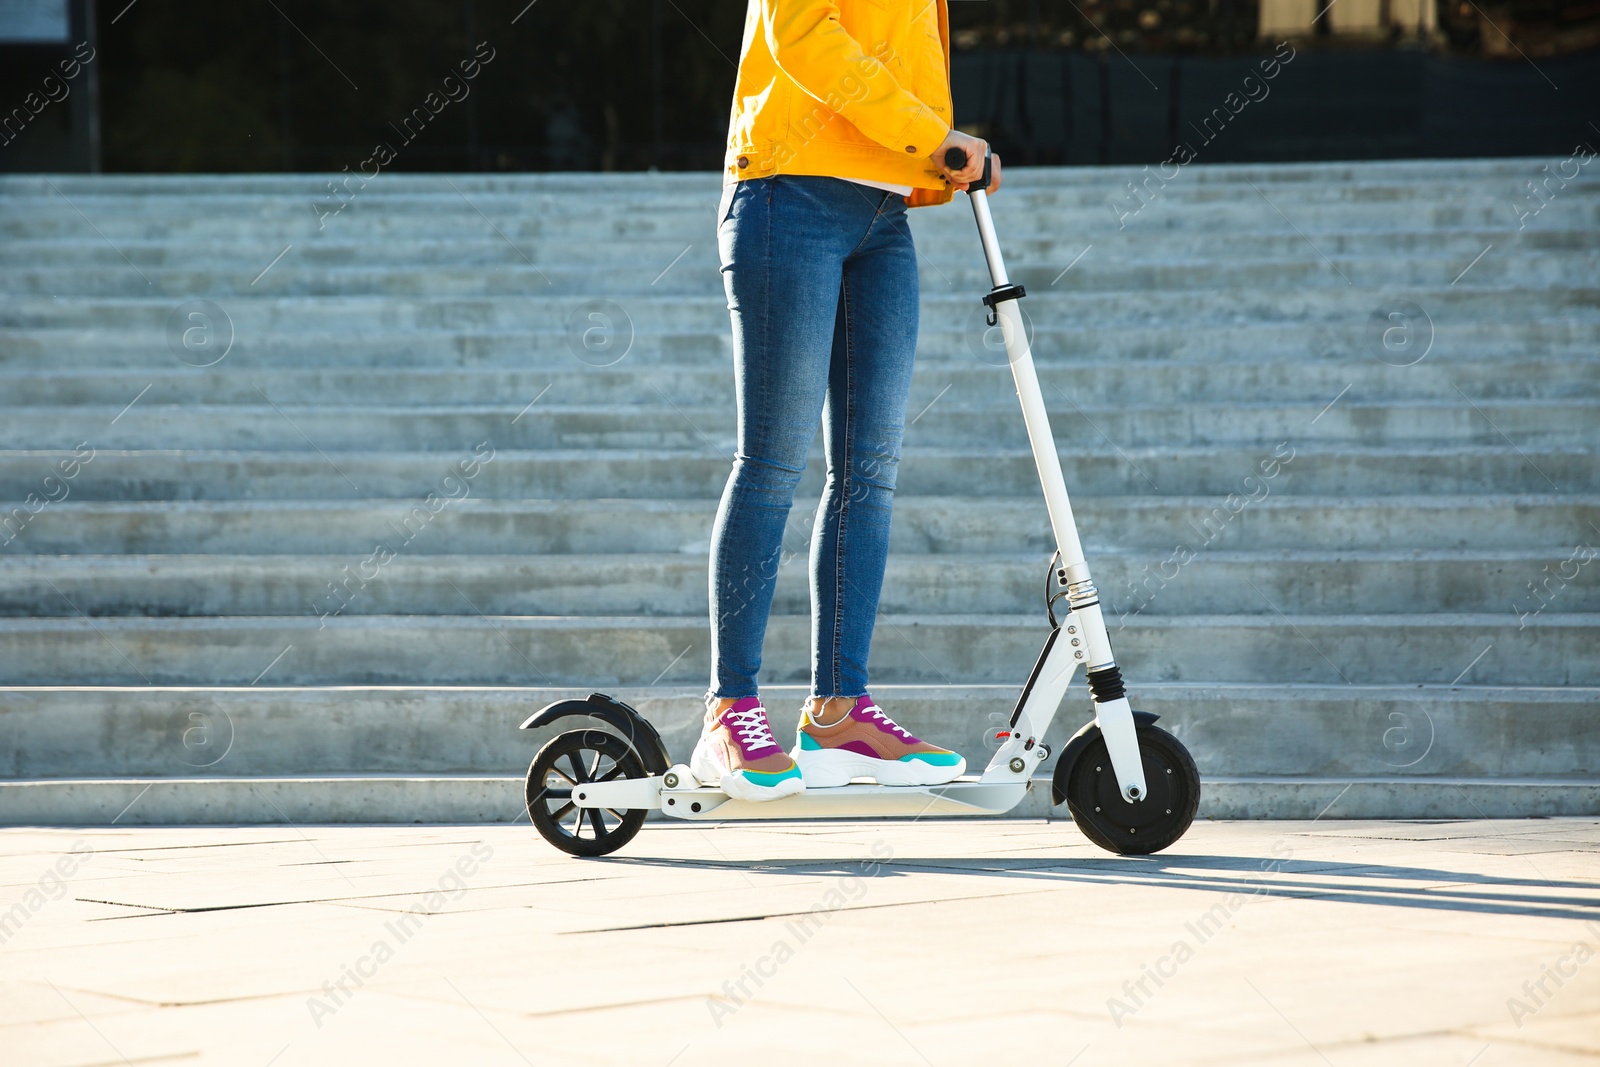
(884, 720)
(753, 729)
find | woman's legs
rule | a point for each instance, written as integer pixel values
(784, 245)
(822, 287)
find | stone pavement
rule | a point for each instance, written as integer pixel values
(1000, 941)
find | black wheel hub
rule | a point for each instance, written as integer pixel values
(564, 766)
(1142, 814)
(1150, 823)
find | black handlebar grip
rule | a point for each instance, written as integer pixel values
(956, 158)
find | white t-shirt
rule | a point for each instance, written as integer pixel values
(903, 190)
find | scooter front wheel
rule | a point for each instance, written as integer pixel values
(567, 762)
(1150, 824)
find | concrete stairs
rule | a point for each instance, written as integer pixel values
(1348, 568)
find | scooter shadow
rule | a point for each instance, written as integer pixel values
(1264, 877)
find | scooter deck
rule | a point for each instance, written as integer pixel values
(964, 796)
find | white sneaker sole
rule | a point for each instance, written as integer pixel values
(705, 767)
(825, 768)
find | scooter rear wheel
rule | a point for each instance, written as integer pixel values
(1151, 824)
(567, 761)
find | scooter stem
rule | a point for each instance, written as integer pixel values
(1112, 710)
(1020, 355)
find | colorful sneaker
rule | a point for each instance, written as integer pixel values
(738, 750)
(866, 743)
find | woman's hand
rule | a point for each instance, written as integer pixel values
(974, 147)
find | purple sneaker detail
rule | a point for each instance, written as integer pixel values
(866, 743)
(737, 750)
(867, 711)
(746, 721)
(866, 731)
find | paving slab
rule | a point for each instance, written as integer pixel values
(1346, 943)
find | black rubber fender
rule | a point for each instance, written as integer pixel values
(633, 727)
(1078, 742)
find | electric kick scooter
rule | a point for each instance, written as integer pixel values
(1131, 787)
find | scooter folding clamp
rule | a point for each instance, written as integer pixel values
(999, 294)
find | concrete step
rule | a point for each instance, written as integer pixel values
(1365, 174)
(554, 272)
(946, 524)
(550, 195)
(1310, 306)
(158, 732)
(962, 383)
(550, 348)
(1188, 579)
(661, 474)
(1440, 648)
(1099, 209)
(1232, 730)
(691, 219)
(1043, 243)
(656, 423)
(477, 800)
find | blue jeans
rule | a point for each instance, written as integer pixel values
(822, 286)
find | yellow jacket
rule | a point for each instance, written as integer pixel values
(843, 88)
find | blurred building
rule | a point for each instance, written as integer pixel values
(48, 86)
(302, 85)
(1371, 19)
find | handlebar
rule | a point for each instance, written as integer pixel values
(955, 158)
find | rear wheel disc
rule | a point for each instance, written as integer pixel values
(1094, 797)
(573, 759)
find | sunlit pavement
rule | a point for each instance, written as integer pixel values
(950, 942)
